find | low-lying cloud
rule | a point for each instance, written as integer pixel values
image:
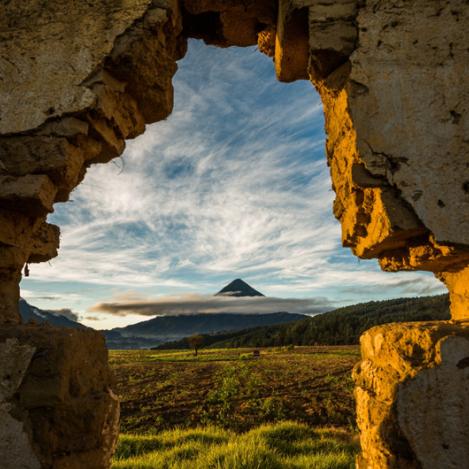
(196, 304)
(66, 312)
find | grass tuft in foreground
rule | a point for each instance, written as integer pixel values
(286, 445)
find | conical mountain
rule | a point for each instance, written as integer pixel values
(238, 287)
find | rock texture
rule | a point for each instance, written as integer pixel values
(457, 282)
(413, 396)
(367, 60)
(396, 128)
(79, 78)
(56, 405)
(80, 34)
(229, 22)
(110, 74)
(402, 55)
(15, 445)
(390, 190)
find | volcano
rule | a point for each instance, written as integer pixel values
(238, 288)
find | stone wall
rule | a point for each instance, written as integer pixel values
(391, 78)
(412, 396)
(57, 409)
(396, 128)
(110, 73)
(60, 112)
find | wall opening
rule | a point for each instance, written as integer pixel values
(233, 184)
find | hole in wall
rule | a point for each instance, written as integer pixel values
(233, 184)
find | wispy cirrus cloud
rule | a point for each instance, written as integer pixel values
(234, 183)
(223, 185)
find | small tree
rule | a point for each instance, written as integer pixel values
(195, 341)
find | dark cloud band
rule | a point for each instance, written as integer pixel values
(196, 304)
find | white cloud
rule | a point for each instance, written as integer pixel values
(233, 183)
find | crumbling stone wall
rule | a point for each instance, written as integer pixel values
(57, 408)
(397, 127)
(399, 159)
(79, 78)
(412, 396)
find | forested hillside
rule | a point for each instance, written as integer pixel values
(345, 325)
(339, 327)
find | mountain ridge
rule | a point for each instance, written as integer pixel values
(30, 313)
(166, 328)
(342, 326)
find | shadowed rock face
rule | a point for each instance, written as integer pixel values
(14, 441)
(389, 75)
(56, 398)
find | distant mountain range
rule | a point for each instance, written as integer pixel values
(342, 326)
(162, 329)
(165, 328)
(39, 316)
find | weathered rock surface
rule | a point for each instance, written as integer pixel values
(79, 78)
(15, 445)
(56, 403)
(30, 194)
(80, 34)
(45, 243)
(110, 73)
(292, 41)
(228, 22)
(416, 52)
(396, 128)
(457, 282)
(412, 393)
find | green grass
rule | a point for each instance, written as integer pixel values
(226, 409)
(122, 357)
(287, 445)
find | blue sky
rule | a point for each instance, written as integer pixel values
(233, 184)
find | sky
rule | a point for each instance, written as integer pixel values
(233, 184)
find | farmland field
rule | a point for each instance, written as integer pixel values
(292, 407)
(160, 390)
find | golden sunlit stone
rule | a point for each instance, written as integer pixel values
(412, 395)
(458, 286)
(78, 79)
